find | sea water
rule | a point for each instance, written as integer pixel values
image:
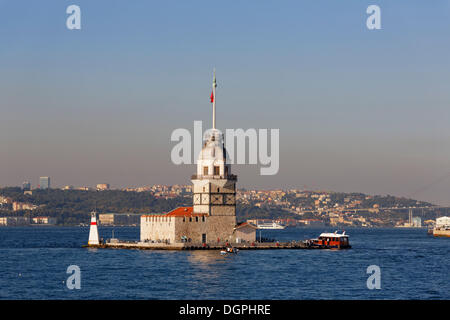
(34, 263)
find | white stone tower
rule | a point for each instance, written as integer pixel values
(214, 187)
(93, 232)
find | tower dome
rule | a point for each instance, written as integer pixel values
(212, 160)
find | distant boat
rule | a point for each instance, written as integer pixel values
(442, 227)
(270, 225)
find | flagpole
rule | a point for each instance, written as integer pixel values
(214, 99)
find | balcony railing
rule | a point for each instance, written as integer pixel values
(201, 176)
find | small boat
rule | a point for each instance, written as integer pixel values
(331, 241)
(229, 250)
(442, 227)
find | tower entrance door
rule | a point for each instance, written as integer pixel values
(203, 237)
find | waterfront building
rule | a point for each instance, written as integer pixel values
(44, 220)
(14, 221)
(212, 218)
(416, 222)
(245, 232)
(44, 182)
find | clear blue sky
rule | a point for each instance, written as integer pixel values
(358, 110)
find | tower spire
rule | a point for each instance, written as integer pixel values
(214, 85)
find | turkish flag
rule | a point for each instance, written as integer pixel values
(212, 96)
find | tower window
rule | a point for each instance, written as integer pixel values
(216, 170)
(196, 219)
(205, 171)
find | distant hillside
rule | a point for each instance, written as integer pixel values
(74, 206)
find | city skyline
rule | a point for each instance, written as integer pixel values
(358, 110)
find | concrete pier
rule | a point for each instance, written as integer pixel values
(200, 246)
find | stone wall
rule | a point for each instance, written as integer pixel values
(191, 228)
(215, 227)
(224, 210)
(158, 228)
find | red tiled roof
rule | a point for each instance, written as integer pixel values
(180, 212)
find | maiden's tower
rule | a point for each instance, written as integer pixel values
(212, 218)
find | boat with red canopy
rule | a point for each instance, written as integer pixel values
(334, 240)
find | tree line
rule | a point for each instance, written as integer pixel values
(73, 207)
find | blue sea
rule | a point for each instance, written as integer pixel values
(34, 262)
